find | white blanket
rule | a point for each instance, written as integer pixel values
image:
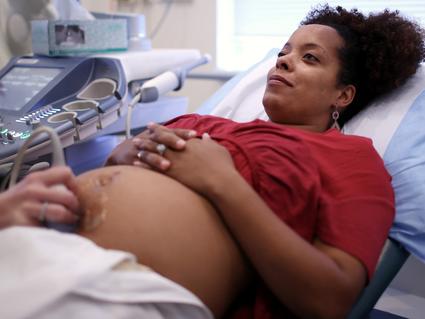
(48, 274)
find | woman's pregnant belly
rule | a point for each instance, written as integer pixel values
(167, 226)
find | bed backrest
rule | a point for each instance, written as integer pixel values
(395, 123)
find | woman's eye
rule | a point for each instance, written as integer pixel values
(311, 57)
(280, 54)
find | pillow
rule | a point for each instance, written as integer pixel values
(395, 123)
(240, 97)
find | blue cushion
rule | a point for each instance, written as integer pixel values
(405, 160)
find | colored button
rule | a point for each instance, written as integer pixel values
(25, 135)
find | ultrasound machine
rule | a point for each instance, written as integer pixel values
(78, 97)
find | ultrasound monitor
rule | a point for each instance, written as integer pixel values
(20, 84)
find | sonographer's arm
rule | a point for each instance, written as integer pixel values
(38, 198)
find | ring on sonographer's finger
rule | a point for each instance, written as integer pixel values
(140, 154)
(161, 148)
(43, 211)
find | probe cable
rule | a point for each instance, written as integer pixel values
(58, 157)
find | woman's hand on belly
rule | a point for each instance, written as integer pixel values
(193, 162)
(201, 166)
(142, 149)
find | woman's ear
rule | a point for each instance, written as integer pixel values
(346, 96)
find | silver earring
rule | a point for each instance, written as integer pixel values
(335, 117)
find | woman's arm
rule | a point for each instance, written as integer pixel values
(23, 203)
(317, 281)
(314, 281)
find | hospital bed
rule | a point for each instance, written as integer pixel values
(395, 124)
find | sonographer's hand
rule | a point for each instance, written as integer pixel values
(147, 148)
(47, 195)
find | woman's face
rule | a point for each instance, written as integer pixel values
(302, 88)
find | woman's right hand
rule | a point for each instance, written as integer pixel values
(142, 149)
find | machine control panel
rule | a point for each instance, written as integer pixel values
(74, 95)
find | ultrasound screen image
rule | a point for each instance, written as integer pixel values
(21, 84)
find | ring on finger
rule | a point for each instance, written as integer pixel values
(161, 148)
(42, 215)
(140, 154)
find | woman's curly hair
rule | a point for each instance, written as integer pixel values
(382, 50)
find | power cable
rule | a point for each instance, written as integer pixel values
(162, 19)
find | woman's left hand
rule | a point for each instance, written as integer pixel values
(200, 164)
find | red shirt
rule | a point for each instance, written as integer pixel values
(326, 185)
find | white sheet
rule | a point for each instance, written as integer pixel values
(48, 274)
